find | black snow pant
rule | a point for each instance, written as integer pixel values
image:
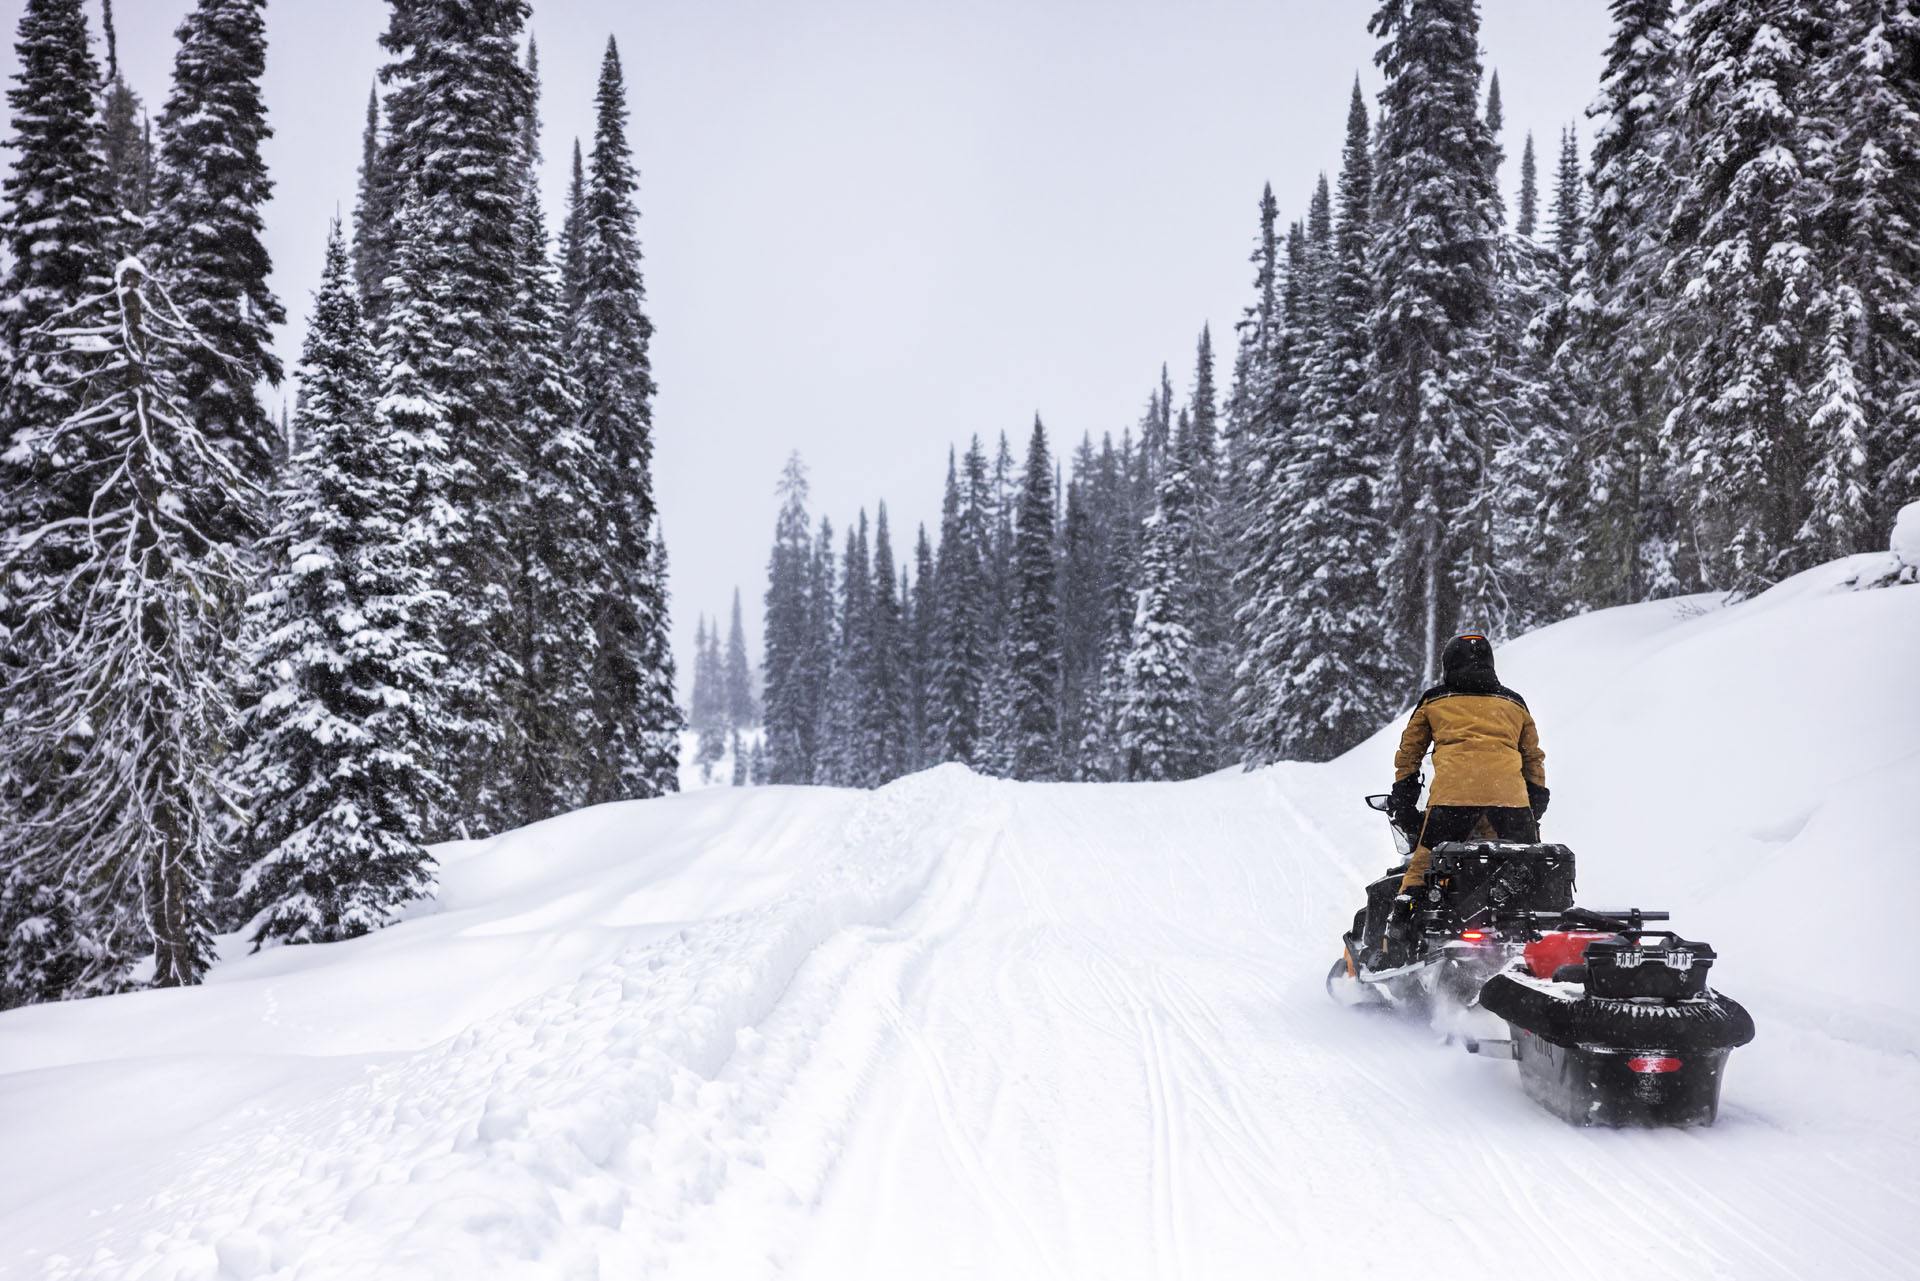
(1456, 823)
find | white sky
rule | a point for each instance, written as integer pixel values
(874, 228)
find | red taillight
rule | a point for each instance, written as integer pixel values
(1654, 1063)
(1472, 936)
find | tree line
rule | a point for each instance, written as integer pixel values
(249, 668)
(1696, 368)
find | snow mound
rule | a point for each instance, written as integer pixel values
(959, 1027)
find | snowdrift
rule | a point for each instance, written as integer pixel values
(959, 1027)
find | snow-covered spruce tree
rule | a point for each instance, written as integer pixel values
(1433, 258)
(822, 641)
(573, 243)
(700, 703)
(706, 708)
(128, 639)
(1868, 77)
(1334, 676)
(884, 713)
(1196, 451)
(456, 101)
(339, 747)
(59, 214)
(1839, 486)
(1743, 266)
(959, 630)
(737, 675)
(842, 759)
(561, 562)
(921, 620)
(1261, 592)
(128, 144)
(1623, 524)
(789, 712)
(369, 241)
(1082, 610)
(205, 232)
(58, 221)
(1529, 216)
(1033, 642)
(1160, 725)
(1539, 397)
(740, 776)
(610, 343)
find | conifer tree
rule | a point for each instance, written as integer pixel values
(1868, 77)
(884, 713)
(369, 266)
(1743, 265)
(207, 225)
(128, 146)
(551, 735)
(457, 98)
(1325, 670)
(1033, 643)
(1433, 258)
(338, 756)
(921, 633)
(1624, 525)
(1160, 724)
(573, 242)
(789, 711)
(128, 638)
(960, 639)
(610, 358)
(59, 219)
(1529, 218)
(737, 676)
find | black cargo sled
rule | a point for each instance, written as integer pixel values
(1611, 1022)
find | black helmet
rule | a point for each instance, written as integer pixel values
(1468, 659)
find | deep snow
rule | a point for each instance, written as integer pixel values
(959, 1027)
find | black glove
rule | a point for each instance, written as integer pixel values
(1537, 798)
(1403, 804)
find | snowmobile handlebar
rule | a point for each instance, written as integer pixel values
(1624, 920)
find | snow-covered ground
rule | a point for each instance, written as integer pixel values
(966, 1028)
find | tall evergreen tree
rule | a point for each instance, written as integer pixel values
(1160, 725)
(737, 675)
(1868, 74)
(128, 640)
(884, 719)
(560, 563)
(639, 720)
(787, 639)
(960, 625)
(1326, 671)
(59, 213)
(338, 755)
(1033, 637)
(1433, 260)
(457, 97)
(1529, 218)
(207, 225)
(369, 268)
(128, 145)
(1743, 265)
(921, 654)
(1626, 543)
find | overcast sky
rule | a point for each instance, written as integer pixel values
(875, 227)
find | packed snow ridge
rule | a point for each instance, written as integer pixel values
(964, 1027)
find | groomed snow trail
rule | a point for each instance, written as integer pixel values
(958, 1027)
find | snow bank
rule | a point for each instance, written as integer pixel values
(958, 1026)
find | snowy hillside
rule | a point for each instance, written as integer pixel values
(958, 1027)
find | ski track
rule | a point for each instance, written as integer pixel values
(1008, 1030)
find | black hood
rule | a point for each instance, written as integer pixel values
(1467, 666)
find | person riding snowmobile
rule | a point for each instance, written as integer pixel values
(1487, 764)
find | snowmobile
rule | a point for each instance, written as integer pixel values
(1612, 1022)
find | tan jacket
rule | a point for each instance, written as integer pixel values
(1485, 748)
